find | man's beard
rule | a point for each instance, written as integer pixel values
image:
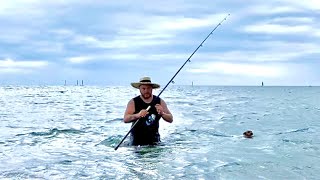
(146, 95)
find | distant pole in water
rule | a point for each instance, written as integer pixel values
(192, 83)
(262, 83)
(171, 80)
(65, 82)
(82, 83)
(77, 83)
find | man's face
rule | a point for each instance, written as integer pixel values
(146, 91)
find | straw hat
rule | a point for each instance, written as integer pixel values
(145, 81)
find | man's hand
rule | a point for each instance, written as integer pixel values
(159, 109)
(143, 113)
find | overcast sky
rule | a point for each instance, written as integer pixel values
(104, 42)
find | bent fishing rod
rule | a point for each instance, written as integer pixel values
(171, 80)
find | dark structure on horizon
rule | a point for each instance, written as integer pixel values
(65, 83)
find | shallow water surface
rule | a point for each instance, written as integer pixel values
(69, 132)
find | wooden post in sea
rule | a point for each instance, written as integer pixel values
(82, 83)
(77, 83)
(262, 83)
(65, 82)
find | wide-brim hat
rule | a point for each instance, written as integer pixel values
(145, 81)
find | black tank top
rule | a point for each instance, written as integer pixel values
(145, 132)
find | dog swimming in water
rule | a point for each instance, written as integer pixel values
(248, 134)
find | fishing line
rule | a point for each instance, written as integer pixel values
(171, 80)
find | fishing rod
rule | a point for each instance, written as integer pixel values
(171, 80)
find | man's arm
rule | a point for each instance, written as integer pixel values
(164, 111)
(129, 115)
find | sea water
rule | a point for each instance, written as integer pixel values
(69, 132)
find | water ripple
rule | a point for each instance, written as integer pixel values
(294, 131)
(54, 132)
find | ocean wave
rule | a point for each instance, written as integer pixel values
(294, 131)
(41, 103)
(297, 141)
(112, 141)
(54, 132)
